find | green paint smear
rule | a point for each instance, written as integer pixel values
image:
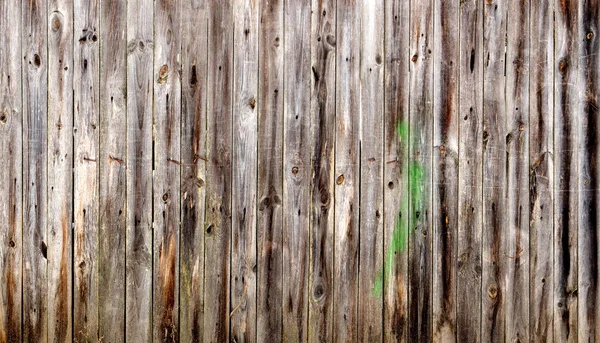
(400, 233)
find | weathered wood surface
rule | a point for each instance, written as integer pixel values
(299, 171)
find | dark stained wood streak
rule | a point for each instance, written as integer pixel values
(322, 135)
(11, 176)
(541, 171)
(60, 172)
(194, 42)
(218, 172)
(270, 180)
(588, 35)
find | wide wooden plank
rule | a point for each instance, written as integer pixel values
(566, 171)
(347, 172)
(194, 40)
(370, 305)
(269, 297)
(541, 169)
(86, 84)
(112, 164)
(140, 46)
(470, 207)
(420, 257)
(589, 171)
(445, 167)
(167, 169)
(296, 169)
(322, 131)
(35, 157)
(494, 172)
(11, 177)
(218, 172)
(60, 169)
(516, 230)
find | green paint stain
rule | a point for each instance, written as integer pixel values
(400, 233)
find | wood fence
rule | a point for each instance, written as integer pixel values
(299, 170)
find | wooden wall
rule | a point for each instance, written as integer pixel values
(299, 170)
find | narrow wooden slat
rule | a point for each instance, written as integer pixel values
(296, 169)
(167, 169)
(140, 46)
(60, 169)
(11, 177)
(86, 120)
(470, 117)
(420, 168)
(112, 164)
(194, 42)
(516, 230)
(347, 172)
(588, 35)
(445, 167)
(35, 156)
(270, 179)
(322, 131)
(218, 173)
(370, 305)
(541, 166)
(494, 173)
(566, 172)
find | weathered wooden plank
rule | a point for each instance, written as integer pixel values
(494, 173)
(140, 26)
(194, 43)
(470, 117)
(370, 305)
(167, 169)
(60, 169)
(589, 171)
(11, 176)
(566, 172)
(541, 171)
(322, 131)
(445, 167)
(86, 179)
(347, 172)
(296, 169)
(112, 164)
(218, 173)
(516, 254)
(35, 158)
(270, 179)
(420, 167)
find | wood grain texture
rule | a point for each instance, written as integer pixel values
(35, 158)
(589, 171)
(140, 90)
(445, 168)
(218, 172)
(11, 176)
(470, 117)
(86, 84)
(269, 218)
(60, 170)
(194, 40)
(322, 136)
(516, 254)
(347, 173)
(112, 164)
(296, 170)
(370, 305)
(494, 173)
(541, 171)
(420, 133)
(167, 169)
